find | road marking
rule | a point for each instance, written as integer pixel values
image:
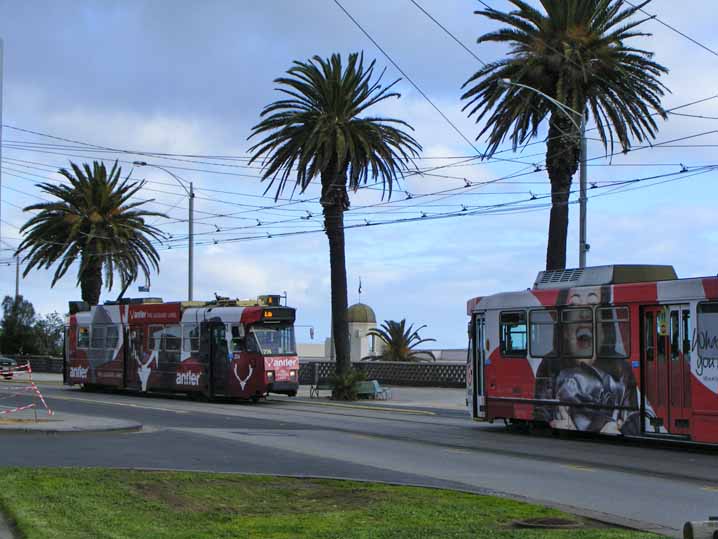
(710, 489)
(397, 410)
(579, 468)
(458, 450)
(365, 436)
(126, 404)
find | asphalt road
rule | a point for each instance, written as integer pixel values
(652, 484)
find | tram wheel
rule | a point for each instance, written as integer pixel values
(292, 394)
(254, 399)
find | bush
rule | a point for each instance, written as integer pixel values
(345, 385)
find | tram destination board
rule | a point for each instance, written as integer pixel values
(278, 314)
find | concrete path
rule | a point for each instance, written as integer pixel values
(62, 423)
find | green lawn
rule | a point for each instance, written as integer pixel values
(95, 503)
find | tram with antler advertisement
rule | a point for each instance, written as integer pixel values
(239, 349)
(622, 350)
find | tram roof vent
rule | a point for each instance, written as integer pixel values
(603, 275)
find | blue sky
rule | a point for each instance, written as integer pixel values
(192, 80)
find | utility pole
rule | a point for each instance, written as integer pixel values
(190, 269)
(582, 200)
(17, 278)
(1, 87)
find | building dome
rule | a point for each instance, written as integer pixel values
(361, 313)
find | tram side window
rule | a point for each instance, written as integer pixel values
(191, 337)
(97, 337)
(613, 332)
(543, 333)
(111, 338)
(706, 341)
(173, 342)
(512, 327)
(577, 333)
(154, 338)
(83, 337)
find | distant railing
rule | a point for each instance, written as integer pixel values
(427, 374)
(39, 363)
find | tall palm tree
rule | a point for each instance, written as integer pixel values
(400, 342)
(93, 220)
(577, 53)
(319, 131)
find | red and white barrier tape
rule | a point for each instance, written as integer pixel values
(32, 387)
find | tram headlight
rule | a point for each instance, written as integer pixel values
(270, 376)
(292, 375)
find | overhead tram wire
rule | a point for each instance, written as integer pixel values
(481, 184)
(169, 155)
(501, 208)
(673, 28)
(416, 86)
(467, 49)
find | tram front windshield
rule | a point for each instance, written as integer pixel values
(273, 340)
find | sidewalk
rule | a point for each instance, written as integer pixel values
(62, 423)
(409, 397)
(18, 393)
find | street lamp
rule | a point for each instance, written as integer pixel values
(190, 194)
(581, 126)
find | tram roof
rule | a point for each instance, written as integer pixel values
(625, 284)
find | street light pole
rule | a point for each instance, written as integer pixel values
(582, 200)
(190, 269)
(190, 194)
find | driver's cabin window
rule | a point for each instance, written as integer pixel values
(238, 341)
(513, 329)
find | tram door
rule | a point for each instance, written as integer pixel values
(666, 360)
(479, 355)
(214, 354)
(135, 340)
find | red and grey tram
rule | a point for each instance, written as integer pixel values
(623, 350)
(241, 349)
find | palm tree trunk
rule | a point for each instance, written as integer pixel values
(562, 158)
(334, 223)
(335, 201)
(91, 278)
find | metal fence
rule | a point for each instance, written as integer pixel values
(391, 373)
(40, 363)
(386, 372)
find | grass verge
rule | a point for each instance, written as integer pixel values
(98, 503)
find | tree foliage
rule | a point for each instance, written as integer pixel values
(22, 332)
(400, 342)
(321, 130)
(577, 52)
(93, 220)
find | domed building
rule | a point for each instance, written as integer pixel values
(360, 318)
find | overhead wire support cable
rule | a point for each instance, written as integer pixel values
(461, 44)
(416, 86)
(673, 28)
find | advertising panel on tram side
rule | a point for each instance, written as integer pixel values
(611, 350)
(241, 349)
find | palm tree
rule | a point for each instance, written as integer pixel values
(400, 341)
(319, 131)
(576, 53)
(92, 220)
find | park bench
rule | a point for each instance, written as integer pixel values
(372, 389)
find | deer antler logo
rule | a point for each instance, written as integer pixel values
(145, 370)
(242, 382)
